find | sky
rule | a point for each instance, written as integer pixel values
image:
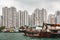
(51, 6)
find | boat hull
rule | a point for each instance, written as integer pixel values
(43, 35)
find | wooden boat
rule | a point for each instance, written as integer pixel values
(43, 33)
(22, 29)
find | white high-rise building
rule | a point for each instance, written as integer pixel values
(23, 18)
(58, 17)
(0, 21)
(32, 20)
(40, 16)
(26, 16)
(18, 20)
(44, 13)
(37, 17)
(9, 17)
(12, 17)
(51, 19)
(5, 16)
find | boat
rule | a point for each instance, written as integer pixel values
(23, 28)
(44, 33)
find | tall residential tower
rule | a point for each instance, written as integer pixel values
(40, 16)
(9, 16)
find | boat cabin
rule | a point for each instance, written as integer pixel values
(55, 28)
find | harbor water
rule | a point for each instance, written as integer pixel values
(20, 36)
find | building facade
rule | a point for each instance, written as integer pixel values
(9, 16)
(23, 18)
(5, 16)
(40, 16)
(51, 19)
(0, 21)
(58, 17)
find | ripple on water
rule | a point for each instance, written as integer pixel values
(19, 36)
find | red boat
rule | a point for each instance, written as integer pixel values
(44, 33)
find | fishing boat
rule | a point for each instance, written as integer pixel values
(22, 29)
(45, 32)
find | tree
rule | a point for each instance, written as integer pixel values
(2, 27)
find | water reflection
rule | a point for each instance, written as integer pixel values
(20, 36)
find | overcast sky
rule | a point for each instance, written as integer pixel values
(50, 5)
